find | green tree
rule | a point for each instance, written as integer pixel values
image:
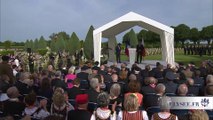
(42, 43)
(36, 44)
(53, 45)
(74, 43)
(31, 45)
(7, 44)
(126, 38)
(88, 44)
(133, 39)
(141, 35)
(207, 33)
(194, 35)
(63, 35)
(26, 44)
(182, 32)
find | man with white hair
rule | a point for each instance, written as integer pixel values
(94, 90)
(165, 114)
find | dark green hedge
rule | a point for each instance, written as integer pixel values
(42, 51)
(7, 52)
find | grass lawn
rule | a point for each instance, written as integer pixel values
(179, 57)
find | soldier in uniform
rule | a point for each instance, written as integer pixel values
(209, 50)
(192, 50)
(188, 50)
(184, 49)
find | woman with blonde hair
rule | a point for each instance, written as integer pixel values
(131, 109)
(70, 77)
(60, 105)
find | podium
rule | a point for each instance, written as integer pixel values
(132, 54)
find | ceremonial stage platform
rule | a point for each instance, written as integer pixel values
(142, 65)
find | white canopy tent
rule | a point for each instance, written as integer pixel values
(127, 21)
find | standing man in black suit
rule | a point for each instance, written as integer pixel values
(139, 51)
(118, 52)
(31, 63)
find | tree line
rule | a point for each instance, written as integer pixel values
(182, 35)
(70, 43)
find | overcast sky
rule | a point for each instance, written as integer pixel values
(29, 19)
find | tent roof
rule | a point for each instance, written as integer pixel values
(130, 20)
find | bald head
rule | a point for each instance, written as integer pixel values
(190, 81)
(182, 90)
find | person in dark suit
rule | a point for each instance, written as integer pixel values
(118, 53)
(81, 112)
(31, 63)
(58, 82)
(94, 90)
(75, 90)
(83, 75)
(171, 87)
(150, 88)
(22, 84)
(145, 73)
(139, 50)
(152, 99)
(13, 106)
(5, 69)
(192, 90)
